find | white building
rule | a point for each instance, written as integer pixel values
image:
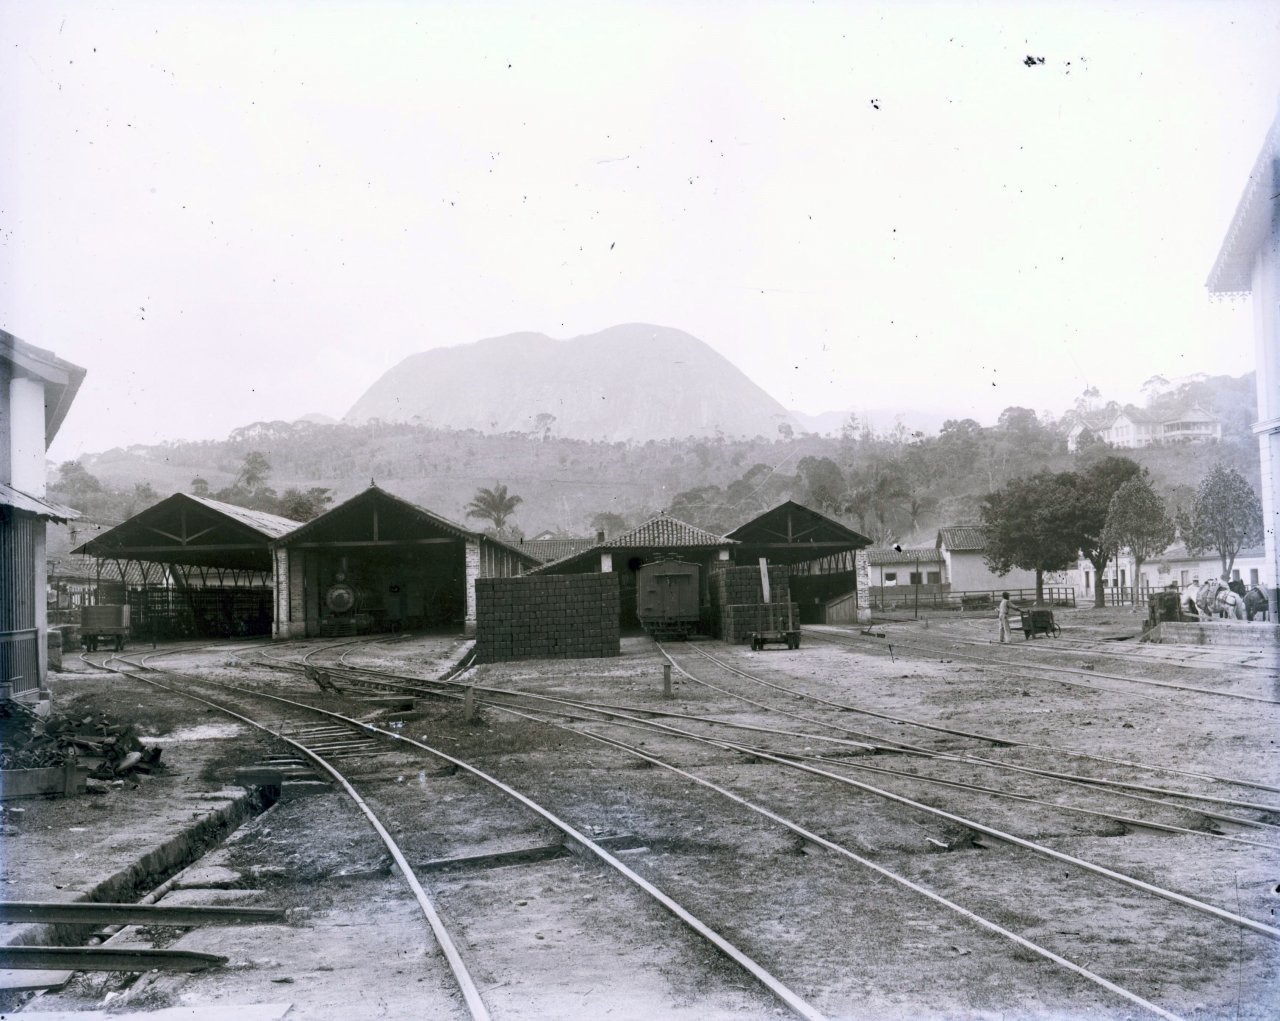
(1175, 566)
(1249, 264)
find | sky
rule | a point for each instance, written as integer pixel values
(236, 212)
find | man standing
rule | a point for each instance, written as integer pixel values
(1003, 613)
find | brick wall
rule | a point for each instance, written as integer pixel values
(554, 616)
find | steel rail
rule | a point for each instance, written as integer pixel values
(422, 686)
(880, 870)
(1200, 658)
(1120, 877)
(832, 637)
(471, 994)
(617, 718)
(105, 959)
(748, 964)
(996, 834)
(1007, 741)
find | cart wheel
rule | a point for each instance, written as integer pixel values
(797, 641)
(119, 643)
(1056, 630)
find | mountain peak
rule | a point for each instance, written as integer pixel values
(634, 381)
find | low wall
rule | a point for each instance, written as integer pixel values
(1232, 634)
(553, 616)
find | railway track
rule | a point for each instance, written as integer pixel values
(577, 715)
(342, 735)
(843, 636)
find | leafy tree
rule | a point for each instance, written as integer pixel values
(303, 505)
(199, 486)
(1029, 524)
(494, 505)
(74, 479)
(1225, 516)
(823, 483)
(608, 522)
(1137, 521)
(1099, 482)
(253, 472)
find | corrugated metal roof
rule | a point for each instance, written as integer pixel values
(961, 538)
(906, 557)
(271, 525)
(15, 498)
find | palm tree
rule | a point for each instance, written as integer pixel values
(493, 505)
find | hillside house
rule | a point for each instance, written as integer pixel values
(1249, 264)
(36, 388)
(1132, 427)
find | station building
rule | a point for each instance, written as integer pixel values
(36, 391)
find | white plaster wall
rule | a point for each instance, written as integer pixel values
(1266, 313)
(26, 436)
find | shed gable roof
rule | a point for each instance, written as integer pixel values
(61, 378)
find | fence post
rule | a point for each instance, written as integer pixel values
(666, 681)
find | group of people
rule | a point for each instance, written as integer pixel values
(1206, 594)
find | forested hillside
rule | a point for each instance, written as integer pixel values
(892, 487)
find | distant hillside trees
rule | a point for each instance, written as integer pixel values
(1225, 516)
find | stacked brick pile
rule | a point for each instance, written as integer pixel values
(737, 601)
(738, 622)
(567, 616)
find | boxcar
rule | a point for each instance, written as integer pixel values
(668, 598)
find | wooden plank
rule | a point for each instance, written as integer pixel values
(106, 959)
(131, 914)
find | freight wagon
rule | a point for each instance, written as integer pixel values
(668, 598)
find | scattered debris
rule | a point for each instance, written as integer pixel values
(102, 744)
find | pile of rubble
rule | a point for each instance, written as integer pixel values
(99, 742)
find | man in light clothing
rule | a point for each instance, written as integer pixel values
(1003, 613)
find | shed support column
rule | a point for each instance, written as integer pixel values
(280, 625)
(472, 573)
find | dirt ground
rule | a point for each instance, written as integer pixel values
(564, 937)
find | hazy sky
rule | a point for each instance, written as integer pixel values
(233, 212)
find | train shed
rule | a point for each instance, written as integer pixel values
(661, 537)
(378, 562)
(189, 566)
(819, 553)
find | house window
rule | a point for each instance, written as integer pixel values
(1183, 579)
(1088, 584)
(1122, 577)
(916, 579)
(891, 578)
(1235, 574)
(935, 577)
(1253, 576)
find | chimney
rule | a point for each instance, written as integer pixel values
(599, 536)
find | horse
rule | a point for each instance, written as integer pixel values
(1255, 603)
(1229, 606)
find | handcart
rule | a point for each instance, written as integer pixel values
(1039, 621)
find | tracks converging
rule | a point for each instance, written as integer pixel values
(781, 727)
(346, 736)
